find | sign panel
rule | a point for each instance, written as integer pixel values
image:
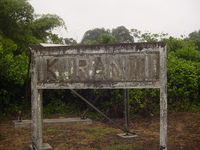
(99, 66)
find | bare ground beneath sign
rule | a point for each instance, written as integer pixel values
(183, 134)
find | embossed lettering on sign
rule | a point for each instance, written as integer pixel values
(99, 67)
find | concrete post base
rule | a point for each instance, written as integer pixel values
(60, 121)
(125, 136)
(45, 146)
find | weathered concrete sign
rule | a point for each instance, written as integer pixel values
(99, 66)
(130, 65)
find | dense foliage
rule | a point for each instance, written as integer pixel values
(118, 35)
(19, 27)
(195, 37)
(183, 74)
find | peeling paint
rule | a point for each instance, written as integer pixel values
(57, 73)
(90, 72)
(66, 75)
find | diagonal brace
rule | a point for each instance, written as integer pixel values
(90, 104)
(95, 100)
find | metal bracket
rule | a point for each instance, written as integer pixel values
(126, 111)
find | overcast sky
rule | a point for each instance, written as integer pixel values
(175, 17)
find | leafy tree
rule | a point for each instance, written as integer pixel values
(174, 44)
(15, 15)
(183, 83)
(19, 23)
(183, 74)
(91, 42)
(13, 71)
(43, 25)
(195, 37)
(70, 41)
(147, 36)
(93, 34)
(54, 39)
(15, 19)
(105, 39)
(122, 35)
(19, 27)
(189, 53)
(119, 35)
(12, 66)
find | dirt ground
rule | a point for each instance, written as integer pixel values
(183, 134)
